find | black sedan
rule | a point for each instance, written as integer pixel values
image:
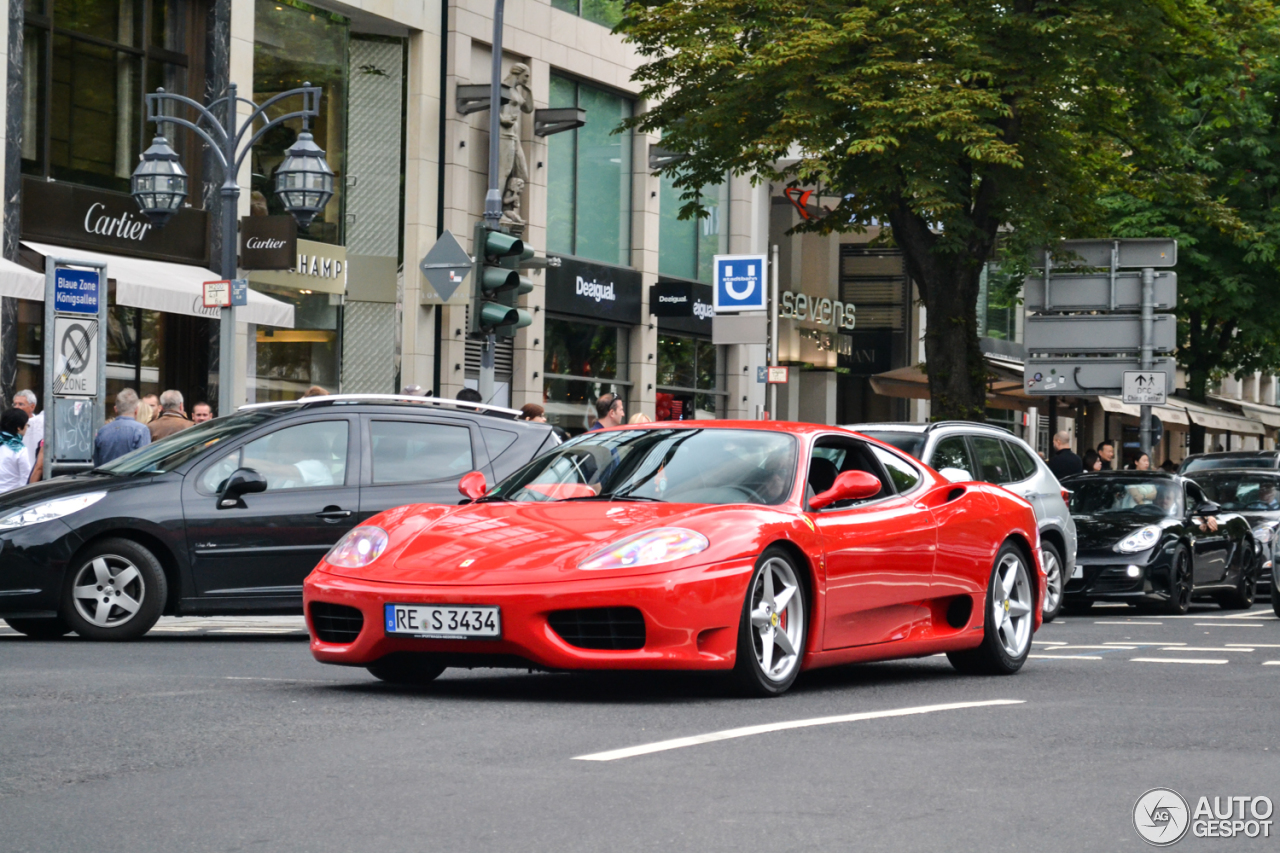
(1255, 494)
(1155, 540)
(231, 515)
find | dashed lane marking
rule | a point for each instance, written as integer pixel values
(1065, 657)
(1204, 649)
(1128, 643)
(1128, 623)
(1271, 663)
(748, 731)
(1256, 645)
(1108, 646)
(1221, 625)
(1179, 660)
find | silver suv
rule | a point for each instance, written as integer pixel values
(960, 450)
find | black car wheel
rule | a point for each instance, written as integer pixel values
(1055, 581)
(406, 668)
(115, 591)
(41, 629)
(772, 628)
(1010, 619)
(1180, 584)
(1242, 597)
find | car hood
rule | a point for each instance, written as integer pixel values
(518, 543)
(1101, 533)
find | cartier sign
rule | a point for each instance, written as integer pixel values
(86, 218)
(268, 242)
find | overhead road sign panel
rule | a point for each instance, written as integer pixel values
(1101, 333)
(1093, 292)
(1133, 254)
(740, 283)
(1086, 377)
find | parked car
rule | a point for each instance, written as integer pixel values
(1197, 462)
(757, 547)
(1255, 494)
(1156, 540)
(964, 450)
(230, 515)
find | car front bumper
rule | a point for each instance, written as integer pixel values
(691, 620)
(1109, 578)
(33, 561)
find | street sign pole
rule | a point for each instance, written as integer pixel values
(69, 421)
(773, 332)
(1148, 326)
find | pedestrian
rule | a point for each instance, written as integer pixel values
(315, 391)
(152, 410)
(1092, 461)
(469, 395)
(201, 412)
(1169, 465)
(640, 418)
(610, 412)
(172, 416)
(533, 412)
(1064, 462)
(26, 400)
(412, 391)
(15, 464)
(1142, 463)
(1107, 452)
(124, 434)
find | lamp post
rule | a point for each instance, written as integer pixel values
(304, 181)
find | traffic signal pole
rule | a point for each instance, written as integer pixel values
(493, 196)
(1148, 323)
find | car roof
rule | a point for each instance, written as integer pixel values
(929, 427)
(396, 400)
(793, 427)
(1234, 454)
(1126, 473)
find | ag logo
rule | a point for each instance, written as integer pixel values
(1161, 817)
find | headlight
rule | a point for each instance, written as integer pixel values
(1139, 540)
(358, 548)
(49, 510)
(648, 548)
(1264, 534)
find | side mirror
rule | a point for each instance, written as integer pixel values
(1208, 508)
(243, 481)
(849, 486)
(956, 475)
(473, 485)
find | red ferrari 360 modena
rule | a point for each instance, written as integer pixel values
(761, 548)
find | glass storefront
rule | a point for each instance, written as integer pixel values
(286, 362)
(583, 361)
(689, 371)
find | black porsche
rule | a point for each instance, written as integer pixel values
(1255, 494)
(1156, 541)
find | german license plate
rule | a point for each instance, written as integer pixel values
(444, 621)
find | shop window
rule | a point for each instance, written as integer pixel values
(583, 361)
(688, 378)
(589, 177)
(286, 362)
(607, 12)
(86, 64)
(687, 247)
(295, 43)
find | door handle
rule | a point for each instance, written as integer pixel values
(333, 514)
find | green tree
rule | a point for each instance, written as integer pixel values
(949, 120)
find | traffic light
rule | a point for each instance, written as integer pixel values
(498, 284)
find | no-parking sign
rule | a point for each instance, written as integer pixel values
(740, 283)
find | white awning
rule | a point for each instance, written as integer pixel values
(1166, 414)
(1187, 412)
(169, 287)
(18, 282)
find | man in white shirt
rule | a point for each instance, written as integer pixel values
(26, 400)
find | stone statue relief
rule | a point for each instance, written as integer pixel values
(513, 168)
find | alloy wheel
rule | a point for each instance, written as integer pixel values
(777, 619)
(1053, 581)
(1011, 605)
(108, 591)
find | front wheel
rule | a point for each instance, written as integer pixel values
(117, 591)
(1055, 580)
(1180, 584)
(1006, 636)
(771, 632)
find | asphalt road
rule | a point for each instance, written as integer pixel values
(224, 735)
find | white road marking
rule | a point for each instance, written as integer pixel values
(1128, 623)
(1204, 649)
(1107, 646)
(1065, 657)
(1220, 625)
(1271, 663)
(1257, 645)
(1179, 660)
(1129, 643)
(747, 731)
(1048, 643)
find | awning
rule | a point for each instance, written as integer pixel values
(169, 287)
(1187, 412)
(1166, 414)
(1268, 415)
(1004, 384)
(18, 282)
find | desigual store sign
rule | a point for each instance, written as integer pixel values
(593, 290)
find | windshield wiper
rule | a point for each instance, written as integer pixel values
(612, 497)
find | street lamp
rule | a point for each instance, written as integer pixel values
(304, 181)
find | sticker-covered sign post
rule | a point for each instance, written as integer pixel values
(75, 374)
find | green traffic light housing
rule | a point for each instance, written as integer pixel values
(494, 300)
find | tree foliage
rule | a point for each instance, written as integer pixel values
(949, 120)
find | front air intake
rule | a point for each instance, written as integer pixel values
(608, 628)
(336, 623)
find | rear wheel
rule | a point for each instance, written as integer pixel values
(1180, 584)
(771, 633)
(1242, 597)
(41, 629)
(1055, 580)
(1006, 636)
(117, 591)
(406, 668)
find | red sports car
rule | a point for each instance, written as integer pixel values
(761, 548)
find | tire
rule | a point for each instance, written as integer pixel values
(772, 629)
(127, 608)
(1242, 597)
(1009, 622)
(41, 629)
(1275, 594)
(406, 668)
(1180, 583)
(1055, 581)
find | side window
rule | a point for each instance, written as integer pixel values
(408, 452)
(903, 474)
(991, 459)
(835, 456)
(301, 457)
(1021, 459)
(953, 452)
(1195, 497)
(497, 440)
(213, 478)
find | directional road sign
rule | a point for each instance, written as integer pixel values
(1134, 253)
(1110, 333)
(75, 372)
(1093, 292)
(1087, 376)
(446, 266)
(1144, 388)
(76, 291)
(740, 283)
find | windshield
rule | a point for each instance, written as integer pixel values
(1241, 491)
(911, 443)
(168, 453)
(1155, 498)
(1209, 463)
(706, 466)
